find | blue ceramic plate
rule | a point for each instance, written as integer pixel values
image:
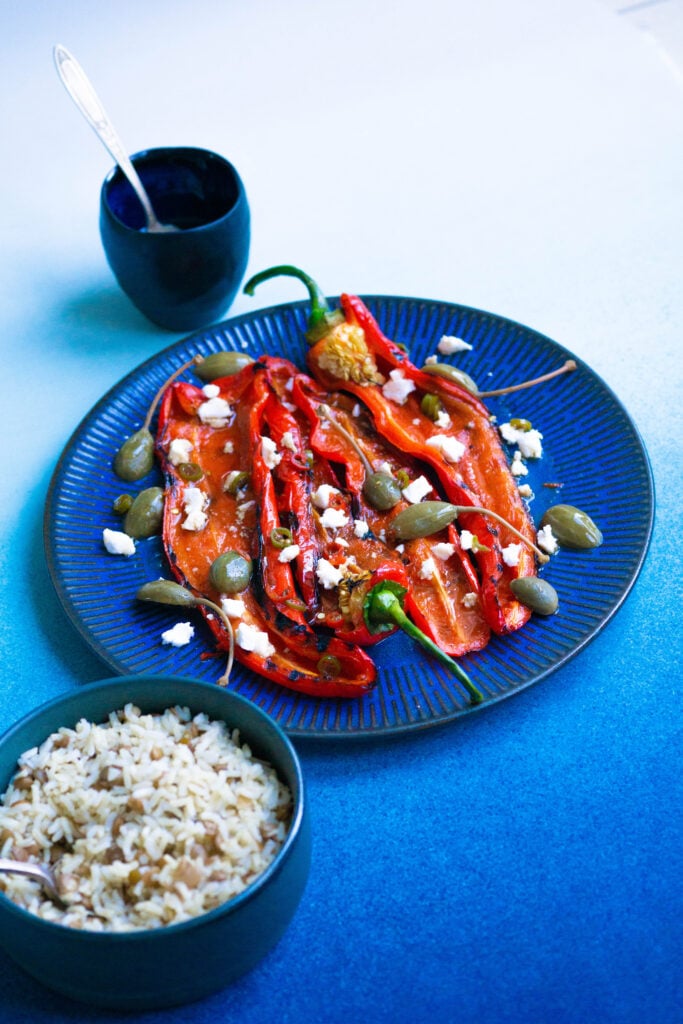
(588, 440)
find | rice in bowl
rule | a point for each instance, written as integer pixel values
(148, 819)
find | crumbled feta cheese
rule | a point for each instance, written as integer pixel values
(528, 441)
(288, 441)
(321, 497)
(270, 454)
(432, 359)
(400, 548)
(449, 344)
(290, 384)
(546, 540)
(356, 411)
(194, 503)
(443, 551)
(289, 553)
(511, 554)
(517, 467)
(443, 420)
(249, 638)
(234, 607)
(525, 491)
(230, 478)
(361, 528)
(211, 390)
(427, 569)
(215, 412)
(341, 543)
(383, 467)
(243, 507)
(179, 635)
(451, 449)
(118, 543)
(229, 447)
(328, 575)
(469, 600)
(466, 540)
(334, 518)
(398, 387)
(179, 450)
(416, 490)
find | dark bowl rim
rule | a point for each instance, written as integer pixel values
(153, 151)
(224, 909)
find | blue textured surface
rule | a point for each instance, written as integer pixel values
(524, 865)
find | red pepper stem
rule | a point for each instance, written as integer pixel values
(542, 557)
(225, 678)
(566, 367)
(165, 385)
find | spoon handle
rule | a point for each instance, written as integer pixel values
(88, 102)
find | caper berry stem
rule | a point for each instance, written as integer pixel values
(169, 380)
(325, 413)
(540, 555)
(224, 679)
(566, 367)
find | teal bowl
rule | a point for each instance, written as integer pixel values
(179, 963)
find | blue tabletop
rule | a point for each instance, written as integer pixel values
(522, 864)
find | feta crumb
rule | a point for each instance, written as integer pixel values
(249, 638)
(451, 449)
(517, 467)
(289, 553)
(416, 490)
(356, 411)
(321, 497)
(443, 551)
(270, 454)
(361, 528)
(528, 441)
(525, 491)
(194, 503)
(232, 476)
(179, 635)
(211, 390)
(179, 450)
(383, 467)
(427, 569)
(432, 359)
(546, 540)
(400, 548)
(215, 412)
(288, 441)
(469, 600)
(466, 540)
(228, 447)
(341, 543)
(511, 554)
(443, 420)
(398, 387)
(449, 344)
(328, 575)
(118, 543)
(290, 384)
(334, 518)
(234, 607)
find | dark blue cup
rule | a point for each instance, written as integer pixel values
(185, 279)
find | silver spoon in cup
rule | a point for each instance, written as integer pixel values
(79, 87)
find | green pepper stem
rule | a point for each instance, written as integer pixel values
(386, 606)
(224, 679)
(319, 304)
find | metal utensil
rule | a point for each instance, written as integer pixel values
(41, 872)
(86, 99)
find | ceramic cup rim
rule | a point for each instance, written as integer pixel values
(154, 152)
(224, 910)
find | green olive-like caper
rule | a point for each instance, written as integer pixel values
(329, 667)
(166, 592)
(422, 519)
(122, 504)
(382, 491)
(536, 594)
(135, 457)
(230, 573)
(431, 405)
(452, 373)
(237, 481)
(572, 528)
(189, 471)
(222, 364)
(144, 517)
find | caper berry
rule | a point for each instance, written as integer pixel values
(135, 457)
(329, 667)
(122, 504)
(382, 491)
(572, 528)
(236, 481)
(230, 573)
(421, 520)
(536, 594)
(166, 592)
(222, 364)
(431, 406)
(452, 373)
(144, 517)
(190, 471)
